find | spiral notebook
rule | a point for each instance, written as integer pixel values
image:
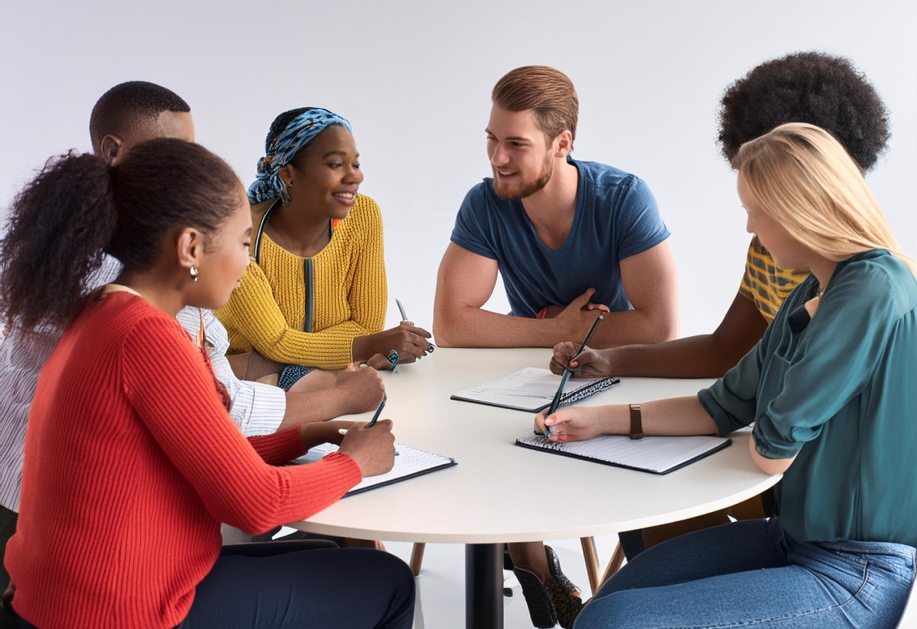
(409, 463)
(656, 455)
(532, 389)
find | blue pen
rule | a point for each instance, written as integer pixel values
(549, 430)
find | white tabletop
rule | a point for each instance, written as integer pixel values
(500, 492)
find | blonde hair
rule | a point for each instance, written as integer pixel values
(804, 179)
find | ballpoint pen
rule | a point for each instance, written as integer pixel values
(343, 431)
(548, 430)
(404, 317)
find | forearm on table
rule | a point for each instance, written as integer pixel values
(674, 416)
(329, 349)
(311, 406)
(468, 326)
(633, 326)
(702, 356)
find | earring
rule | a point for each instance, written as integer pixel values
(194, 273)
(285, 193)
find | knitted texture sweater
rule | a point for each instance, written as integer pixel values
(131, 463)
(307, 311)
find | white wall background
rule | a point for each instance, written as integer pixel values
(415, 77)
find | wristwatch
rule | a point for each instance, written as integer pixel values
(636, 422)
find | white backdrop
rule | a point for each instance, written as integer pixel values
(415, 77)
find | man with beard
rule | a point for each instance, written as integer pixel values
(568, 237)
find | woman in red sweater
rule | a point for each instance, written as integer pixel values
(131, 459)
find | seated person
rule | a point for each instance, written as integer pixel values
(131, 457)
(568, 237)
(316, 293)
(126, 115)
(774, 93)
(830, 392)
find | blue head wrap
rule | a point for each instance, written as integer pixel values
(298, 133)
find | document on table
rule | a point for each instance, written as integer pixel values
(532, 389)
(409, 463)
(657, 455)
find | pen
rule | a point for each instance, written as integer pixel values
(563, 379)
(343, 431)
(404, 317)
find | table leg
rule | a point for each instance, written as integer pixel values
(483, 586)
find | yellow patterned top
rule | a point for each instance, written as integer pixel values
(307, 311)
(765, 283)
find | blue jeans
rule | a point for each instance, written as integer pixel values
(751, 574)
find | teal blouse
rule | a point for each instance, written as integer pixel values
(840, 390)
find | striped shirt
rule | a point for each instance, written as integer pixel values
(257, 408)
(765, 283)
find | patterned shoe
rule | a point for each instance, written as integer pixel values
(537, 598)
(565, 597)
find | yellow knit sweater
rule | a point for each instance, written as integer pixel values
(307, 311)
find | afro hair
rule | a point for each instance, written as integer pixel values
(812, 87)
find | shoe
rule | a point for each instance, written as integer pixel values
(537, 598)
(565, 597)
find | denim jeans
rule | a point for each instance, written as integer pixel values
(751, 574)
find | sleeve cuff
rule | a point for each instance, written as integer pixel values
(473, 247)
(268, 406)
(725, 423)
(771, 451)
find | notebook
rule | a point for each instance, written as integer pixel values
(409, 463)
(657, 455)
(532, 389)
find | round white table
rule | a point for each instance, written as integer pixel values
(502, 493)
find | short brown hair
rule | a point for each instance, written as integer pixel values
(546, 91)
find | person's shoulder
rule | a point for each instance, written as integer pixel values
(365, 213)
(878, 275)
(605, 176)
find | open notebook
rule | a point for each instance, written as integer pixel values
(657, 455)
(532, 389)
(409, 463)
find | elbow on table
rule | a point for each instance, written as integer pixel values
(444, 330)
(250, 523)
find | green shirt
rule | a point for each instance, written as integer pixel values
(839, 389)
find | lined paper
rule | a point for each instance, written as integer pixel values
(532, 389)
(410, 462)
(658, 455)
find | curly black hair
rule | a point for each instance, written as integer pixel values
(128, 103)
(78, 206)
(812, 87)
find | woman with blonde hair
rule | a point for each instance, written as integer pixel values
(830, 392)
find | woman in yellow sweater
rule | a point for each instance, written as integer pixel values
(315, 294)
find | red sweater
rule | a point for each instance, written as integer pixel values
(131, 464)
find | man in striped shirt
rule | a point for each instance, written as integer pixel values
(127, 115)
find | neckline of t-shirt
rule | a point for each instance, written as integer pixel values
(577, 212)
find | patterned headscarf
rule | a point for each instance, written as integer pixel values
(298, 133)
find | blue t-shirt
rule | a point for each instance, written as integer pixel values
(616, 217)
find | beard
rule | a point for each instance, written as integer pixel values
(509, 192)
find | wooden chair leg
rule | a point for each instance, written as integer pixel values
(379, 545)
(592, 562)
(614, 565)
(417, 558)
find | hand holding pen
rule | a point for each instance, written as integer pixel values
(372, 446)
(566, 373)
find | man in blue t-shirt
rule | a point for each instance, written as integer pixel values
(568, 237)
